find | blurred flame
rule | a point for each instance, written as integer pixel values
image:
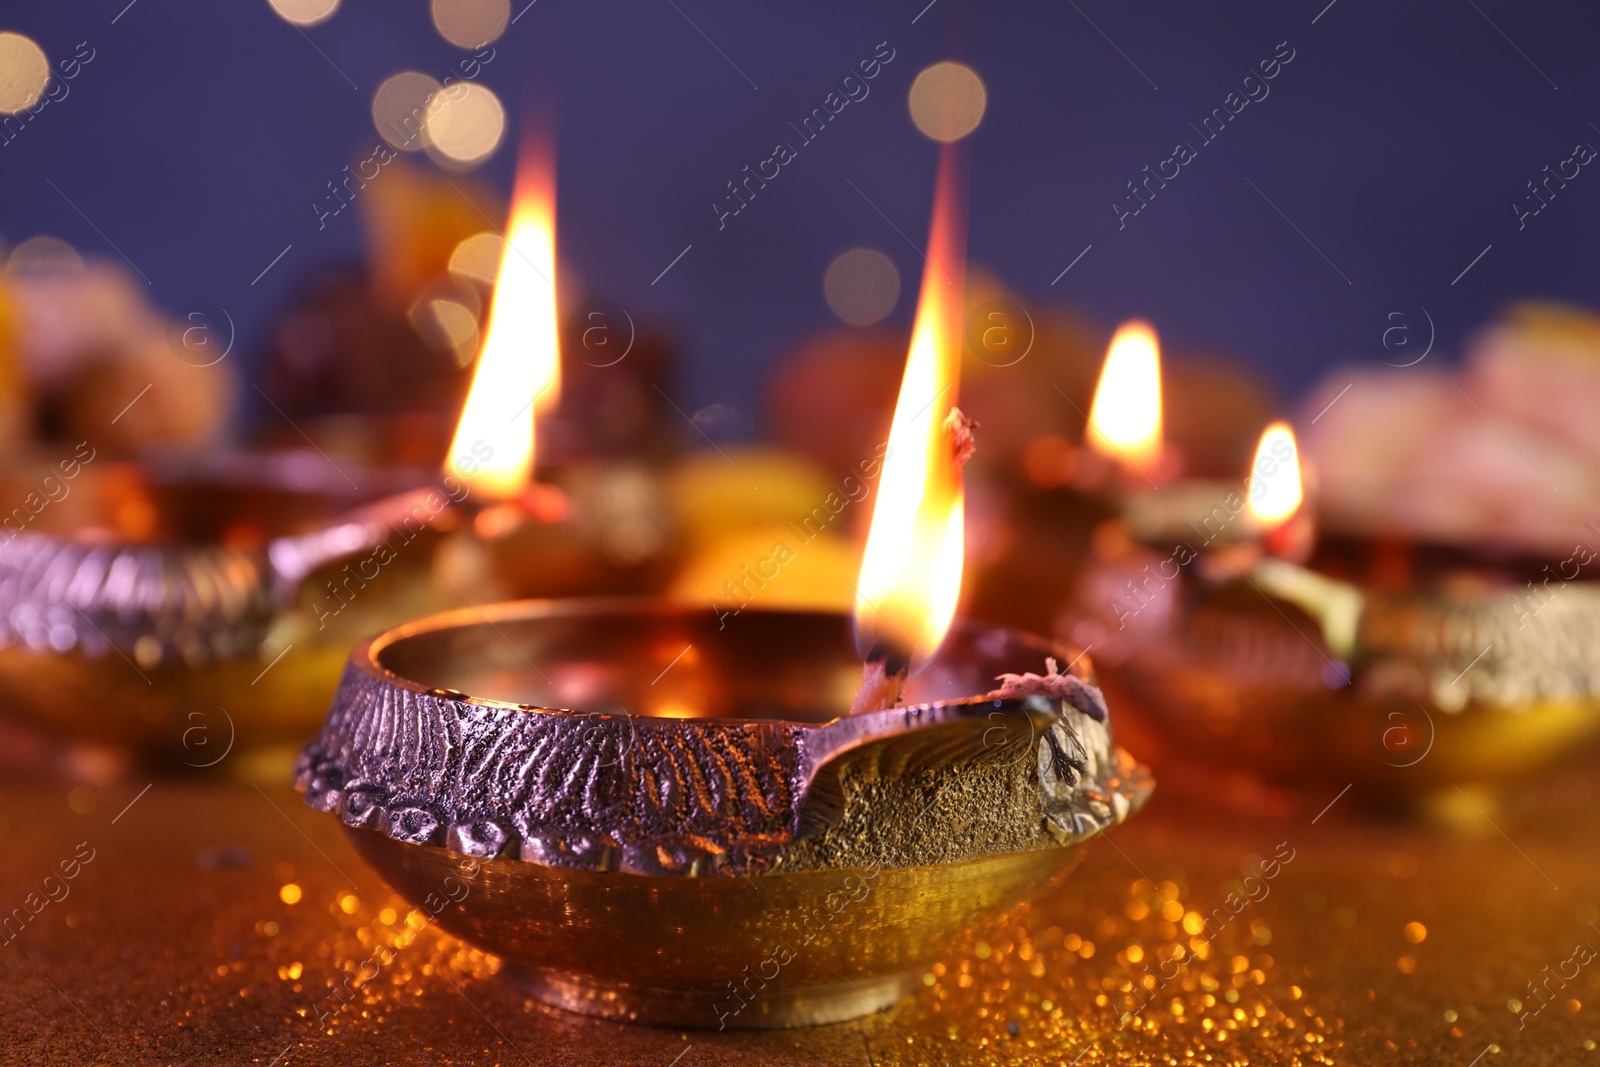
(519, 369)
(911, 573)
(1125, 418)
(1275, 489)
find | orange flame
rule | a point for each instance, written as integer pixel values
(911, 573)
(1125, 418)
(519, 367)
(1275, 492)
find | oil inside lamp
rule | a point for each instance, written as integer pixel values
(911, 572)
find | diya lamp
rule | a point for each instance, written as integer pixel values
(1125, 454)
(179, 605)
(488, 528)
(151, 605)
(1232, 632)
(1126, 450)
(656, 814)
(1229, 527)
(525, 537)
(1048, 523)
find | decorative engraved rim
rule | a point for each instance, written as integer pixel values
(643, 794)
(198, 603)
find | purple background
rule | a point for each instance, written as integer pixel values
(1396, 141)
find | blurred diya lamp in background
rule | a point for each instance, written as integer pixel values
(657, 813)
(1230, 525)
(178, 606)
(148, 605)
(1033, 542)
(526, 537)
(1231, 632)
(1029, 373)
(1127, 450)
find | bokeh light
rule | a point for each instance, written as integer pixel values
(948, 100)
(448, 325)
(465, 125)
(305, 12)
(24, 72)
(446, 316)
(44, 254)
(862, 286)
(478, 258)
(471, 23)
(400, 109)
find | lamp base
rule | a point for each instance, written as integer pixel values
(768, 1010)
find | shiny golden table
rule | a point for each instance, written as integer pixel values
(222, 922)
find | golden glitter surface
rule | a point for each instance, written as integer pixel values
(214, 923)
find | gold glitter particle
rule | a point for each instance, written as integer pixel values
(289, 893)
(1402, 864)
(1200, 1000)
(349, 903)
(81, 799)
(1406, 964)
(1450, 1015)
(1416, 933)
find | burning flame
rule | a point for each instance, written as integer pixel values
(519, 367)
(911, 573)
(1125, 418)
(1275, 489)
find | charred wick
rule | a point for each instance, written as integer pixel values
(894, 661)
